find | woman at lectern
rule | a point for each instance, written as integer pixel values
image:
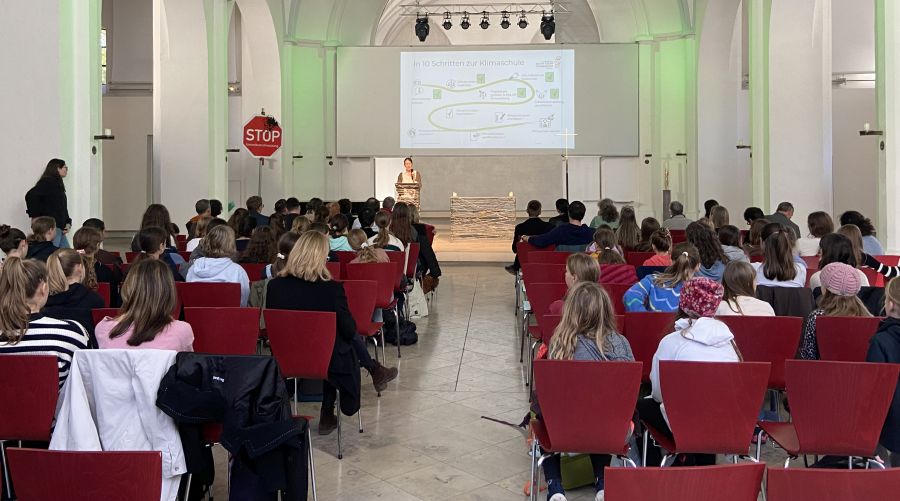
(409, 175)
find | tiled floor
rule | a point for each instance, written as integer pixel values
(424, 438)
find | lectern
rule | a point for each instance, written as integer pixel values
(408, 193)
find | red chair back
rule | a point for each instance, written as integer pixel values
(185, 255)
(334, 268)
(618, 274)
(617, 295)
(741, 481)
(552, 257)
(875, 279)
(845, 339)
(254, 270)
(548, 325)
(637, 259)
(399, 260)
(644, 331)
(209, 294)
(302, 341)
(224, 331)
(382, 273)
(429, 232)
(412, 259)
(766, 339)
(361, 296)
(587, 406)
(98, 314)
(131, 256)
(813, 484)
(86, 476)
(534, 273)
(812, 263)
(28, 397)
(887, 260)
(839, 407)
(678, 236)
(344, 258)
(620, 322)
(541, 296)
(757, 259)
(104, 291)
(524, 250)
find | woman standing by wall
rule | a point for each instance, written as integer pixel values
(48, 198)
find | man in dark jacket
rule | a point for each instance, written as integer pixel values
(534, 225)
(562, 209)
(783, 216)
(572, 236)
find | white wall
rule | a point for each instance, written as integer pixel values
(126, 179)
(131, 42)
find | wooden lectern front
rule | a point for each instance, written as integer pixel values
(408, 193)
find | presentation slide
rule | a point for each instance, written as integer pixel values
(487, 99)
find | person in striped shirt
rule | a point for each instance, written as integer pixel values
(23, 330)
(661, 291)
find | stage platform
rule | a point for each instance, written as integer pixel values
(468, 251)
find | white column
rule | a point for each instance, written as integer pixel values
(800, 133)
(887, 63)
(759, 13)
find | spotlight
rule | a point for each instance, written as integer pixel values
(447, 23)
(548, 25)
(523, 21)
(484, 21)
(422, 27)
(464, 24)
(504, 23)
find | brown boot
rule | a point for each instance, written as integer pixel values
(327, 421)
(382, 375)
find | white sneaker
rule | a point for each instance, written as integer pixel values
(600, 496)
(558, 497)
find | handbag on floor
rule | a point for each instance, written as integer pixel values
(418, 307)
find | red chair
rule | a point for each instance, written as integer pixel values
(209, 294)
(766, 339)
(540, 297)
(524, 250)
(28, 399)
(131, 256)
(617, 294)
(429, 232)
(813, 484)
(361, 296)
(812, 263)
(412, 260)
(552, 257)
(86, 476)
(344, 258)
(837, 408)
(712, 406)
(104, 291)
(549, 323)
(99, 314)
(385, 275)
(845, 339)
(184, 255)
(875, 279)
(738, 482)
(224, 331)
(678, 236)
(254, 270)
(334, 268)
(586, 407)
(757, 259)
(887, 260)
(620, 322)
(618, 274)
(302, 342)
(533, 273)
(644, 331)
(637, 259)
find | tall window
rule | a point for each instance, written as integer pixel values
(103, 80)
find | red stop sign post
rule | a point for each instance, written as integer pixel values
(262, 138)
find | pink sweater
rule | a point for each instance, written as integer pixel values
(176, 336)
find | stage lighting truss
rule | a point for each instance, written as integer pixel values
(447, 23)
(504, 22)
(485, 22)
(523, 20)
(464, 24)
(547, 10)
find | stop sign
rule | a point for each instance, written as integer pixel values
(262, 137)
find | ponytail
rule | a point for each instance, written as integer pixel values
(685, 260)
(19, 282)
(605, 240)
(383, 221)
(87, 243)
(61, 266)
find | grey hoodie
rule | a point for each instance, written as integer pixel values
(220, 269)
(735, 253)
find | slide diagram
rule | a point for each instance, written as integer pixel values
(493, 99)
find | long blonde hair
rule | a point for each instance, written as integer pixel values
(852, 232)
(685, 260)
(148, 300)
(308, 257)
(19, 282)
(583, 267)
(833, 305)
(61, 266)
(892, 292)
(587, 311)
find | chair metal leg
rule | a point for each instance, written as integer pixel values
(518, 295)
(535, 450)
(759, 443)
(787, 462)
(383, 346)
(340, 444)
(530, 381)
(187, 490)
(6, 480)
(312, 463)
(294, 403)
(397, 316)
(359, 416)
(644, 452)
(627, 461)
(849, 462)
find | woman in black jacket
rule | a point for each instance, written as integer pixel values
(48, 198)
(305, 284)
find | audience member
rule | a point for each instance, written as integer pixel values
(783, 214)
(203, 211)
(648, 226)
(244, 233)
(366, 222)
(730, 238)
(661, 245)
(579, 268)
(628, 233)
(200, 228)
(156, 216)
(706, 222)
(840, 285)
(321, 214)
(255, 207)
(40, 242)
(388, 204)
(752, 214)
(369, 254)
(661, 291)
(605, 248)
(534, 225)
(357, 239)
(852, 232)
(739, 282)
(145, 319)
(280, 209)
(836, 248)
(719, 217)
(87, 241)
(401, 225)
(305, 284)
(300, 225)
(607, 214)
(13, 242)
(152, 245)
(384, 239)
(753, 246)
(48, 198)
(23, 329)
(712, 257)
(217, 263)
(572, 236)
(292, 206)
(708, 207)
(871, 245)
(371, 205)
(587, 331)
(698, 337)
(427, 266)
(262, 247)
(276, 223)
(103, 256)
(238, 216)
(338, 240)
(562, 212)
(72, 284)
(884, 348)
(215, 208)
(319, 227)
(334, 209)
(678, 221)
(819, 224)
(779, 268)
